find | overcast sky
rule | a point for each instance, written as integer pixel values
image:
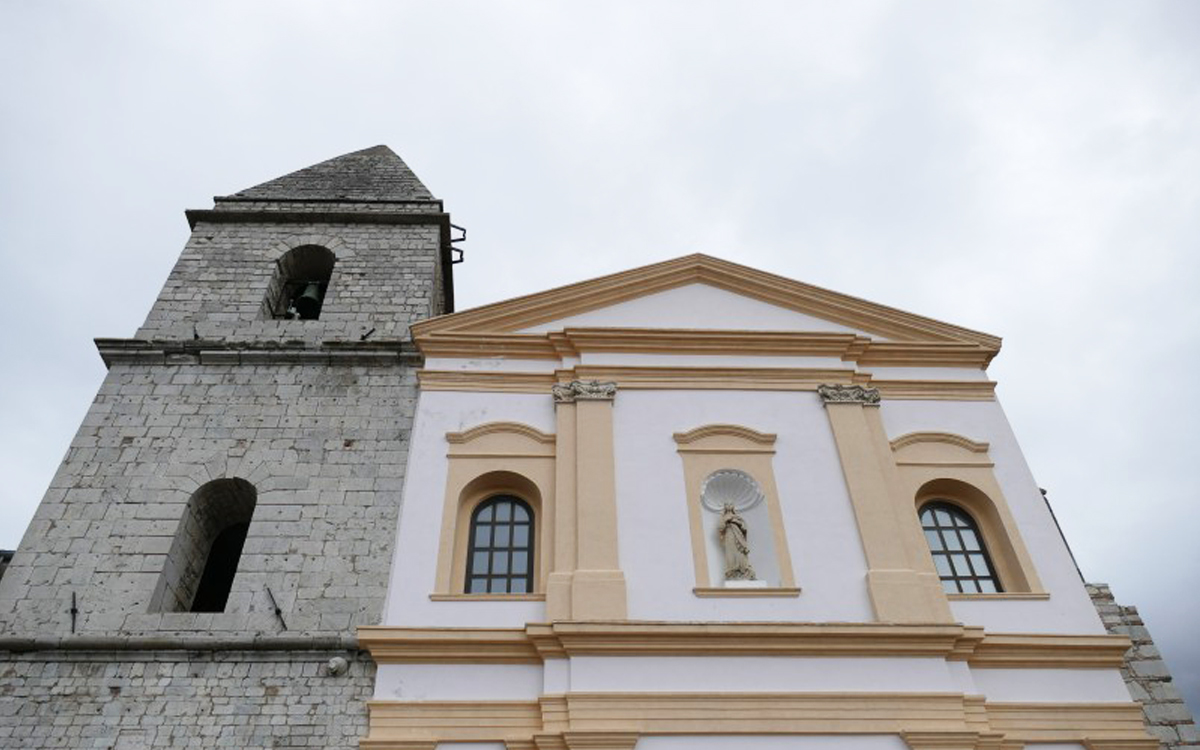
(1031, 170)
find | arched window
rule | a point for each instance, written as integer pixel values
(500, 553)
(959, 554)
(203, 559)
(301, 280)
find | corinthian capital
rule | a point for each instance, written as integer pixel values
(583, 390)
(848, 394)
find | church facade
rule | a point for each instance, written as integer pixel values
(689, 505)
(697, 505)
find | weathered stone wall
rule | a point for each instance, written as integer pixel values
(324, 446)
(385, 277)
(174, 699)
(1146, 674)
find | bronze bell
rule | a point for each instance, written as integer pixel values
(308, 302)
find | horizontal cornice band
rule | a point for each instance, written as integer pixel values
(572, 342)
(925, 720)
(705, 378)
(202, 352)
(537, 642)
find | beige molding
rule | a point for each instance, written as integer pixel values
(492, 428)
(556, 304)
(720, 592)
(486, 382)
(487, 597)
(723, 430)
(1072, 722)
(705, 378)
(540, 641)
(1024, 651)
(927, 720)
(572, 342)
(1008, 595)
(915, 438)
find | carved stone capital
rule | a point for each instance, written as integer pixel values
(583, 390)
(848, 394)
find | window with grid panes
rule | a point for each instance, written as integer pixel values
(500, 555)
(958, 551)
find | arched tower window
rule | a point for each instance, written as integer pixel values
(204, 556)
(300, 283)
(959, 554)
(500, 553)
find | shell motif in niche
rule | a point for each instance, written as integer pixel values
(730, 487)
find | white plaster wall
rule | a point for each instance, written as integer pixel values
(751, 674)
(710, 360)
(784, 742)
(1069, 610)
(695, 306)
(1051, 685)
(654, 538)
(415, 559)
(458, 682)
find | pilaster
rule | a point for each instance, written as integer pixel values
(900, 587)
(587, 476)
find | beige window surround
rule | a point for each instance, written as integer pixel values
(496, 458)
(715, 447)
(956, 469)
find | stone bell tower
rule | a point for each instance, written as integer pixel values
(223, 520)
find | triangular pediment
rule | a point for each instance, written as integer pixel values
(749, 300)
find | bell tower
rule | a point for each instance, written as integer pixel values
(224, 519)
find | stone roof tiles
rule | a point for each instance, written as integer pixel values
(372, 174)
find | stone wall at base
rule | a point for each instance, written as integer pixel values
(1146, 674)
(130, 700)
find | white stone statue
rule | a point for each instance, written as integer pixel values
(734, 536)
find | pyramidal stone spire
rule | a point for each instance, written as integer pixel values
(373, 174)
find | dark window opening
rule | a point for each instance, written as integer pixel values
(219, 570)
(500, 551)
(200, 567)
(300, 284)
(959, 554)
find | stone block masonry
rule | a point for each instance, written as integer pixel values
(135, 699)
(324, 447)
(1146, 674)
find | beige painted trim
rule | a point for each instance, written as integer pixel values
(927, 720)
(705, 378)
(710, 448)
(486, 382)
(715, 378)
(936, 466)
(730, 430)
(916, 438)
(1008, 595)
(936, 390)
(539, 641)
(499, 428)
(487, 597)
(597, 583)
(487, 460)
(573, 342)
(901, 580)
(555, 304)
(720, 592)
